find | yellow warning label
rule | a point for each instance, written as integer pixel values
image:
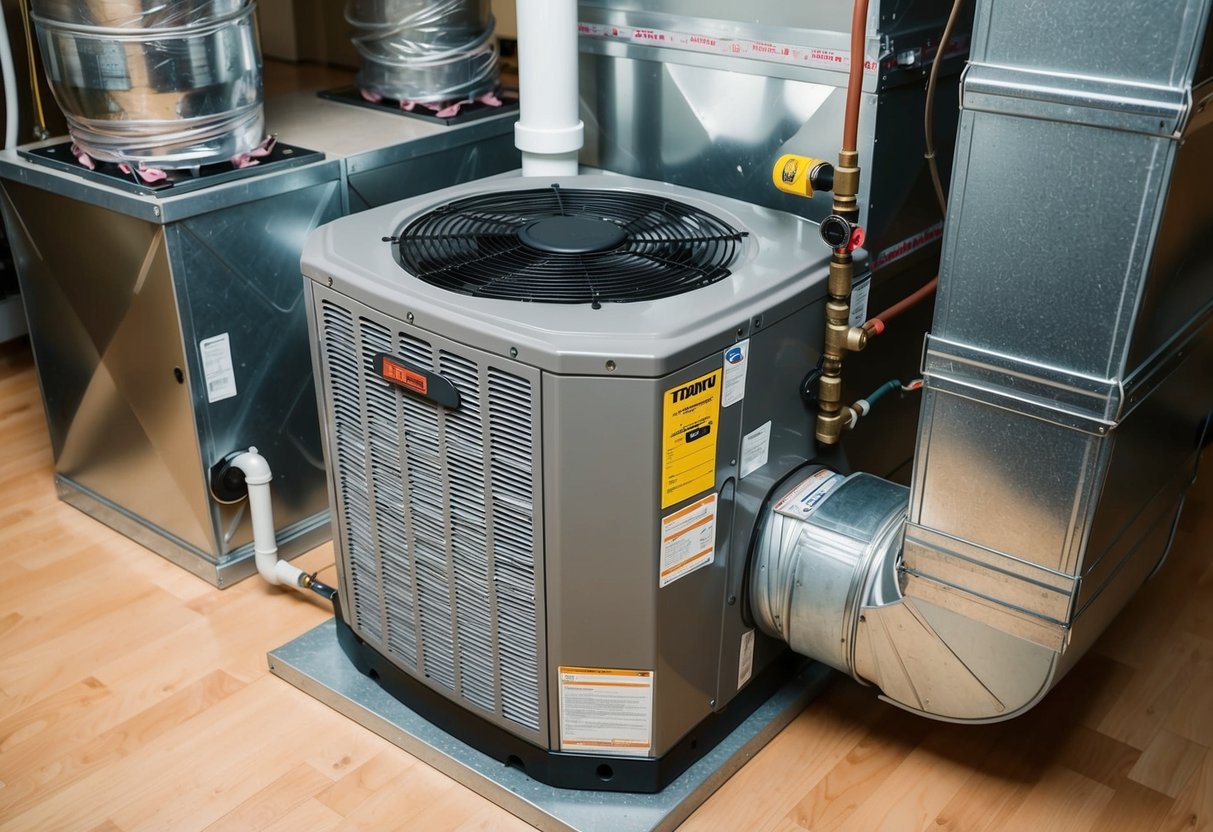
(691, 413)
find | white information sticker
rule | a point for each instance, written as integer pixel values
(859, 302)
(688, 540)
(736, 362)
(217, 368)
(745, 661)
(604, 711)
(755, 450)
(804, 499)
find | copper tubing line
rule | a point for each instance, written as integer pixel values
(859, 39)
(928, 115)
(36, 92)
(876, 323)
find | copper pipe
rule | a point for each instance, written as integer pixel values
(40, 131)
(859, 41)
(876, 323)
(928, 115)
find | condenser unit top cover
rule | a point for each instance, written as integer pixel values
(521, 266)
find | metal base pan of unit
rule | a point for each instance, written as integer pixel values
(315, 664)
(293, 541)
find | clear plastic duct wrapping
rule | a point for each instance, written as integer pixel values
(424, 51)
(167, 83)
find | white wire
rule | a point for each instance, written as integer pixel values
(10, 87)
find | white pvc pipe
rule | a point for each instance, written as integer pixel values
(549, 132)
(257, 476)
(10, 86)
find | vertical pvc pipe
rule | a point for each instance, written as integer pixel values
(549, 132)
(10, 87)
(257, 477)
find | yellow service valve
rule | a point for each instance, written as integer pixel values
(802, 175)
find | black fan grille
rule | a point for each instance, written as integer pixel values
(506, 245)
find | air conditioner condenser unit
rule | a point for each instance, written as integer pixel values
(553, 413)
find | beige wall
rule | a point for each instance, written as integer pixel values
(507, 25)
(315, 30)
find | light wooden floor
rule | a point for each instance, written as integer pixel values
(134, 696)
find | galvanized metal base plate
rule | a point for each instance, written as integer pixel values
(315, 664)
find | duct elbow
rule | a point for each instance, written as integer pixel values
(825, 579)
(940, 664)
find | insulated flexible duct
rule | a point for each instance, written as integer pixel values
(424, 51)
(174, 84)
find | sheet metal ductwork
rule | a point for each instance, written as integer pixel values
(1067, 376)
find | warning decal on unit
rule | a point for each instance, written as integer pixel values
(688, 540)
(803, 500)
(755, 450)
(217, 368)
(606, 711)
(690, 415)
(736, 363)
(745, 659)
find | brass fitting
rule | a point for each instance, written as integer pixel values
(830, 389)
(857, 338)
(841, 275)
(840, 336)
(846, 185)
(829, 427)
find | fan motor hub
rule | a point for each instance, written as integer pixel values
(572, 235)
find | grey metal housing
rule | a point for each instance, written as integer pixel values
(482, 548)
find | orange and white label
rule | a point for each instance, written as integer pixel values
(606, 711)
(405, 377)
(688, 540)
(758, 50)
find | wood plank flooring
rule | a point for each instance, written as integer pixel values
(135, 698)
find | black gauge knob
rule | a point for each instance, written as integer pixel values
(836, 231)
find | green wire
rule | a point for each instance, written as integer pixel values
(887, 387)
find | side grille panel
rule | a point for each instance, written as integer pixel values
(439, 541)
(512, 486)
(349, 457)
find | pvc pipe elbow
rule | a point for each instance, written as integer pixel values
(257, 476)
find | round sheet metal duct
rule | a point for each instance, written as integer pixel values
(826, 579)
(827, 545)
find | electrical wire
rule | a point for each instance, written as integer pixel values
(40, 131)
(877, 323)
(928, 116)
(887, 387)
(863, 407)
